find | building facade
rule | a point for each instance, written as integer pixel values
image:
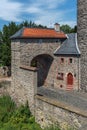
(54, 54)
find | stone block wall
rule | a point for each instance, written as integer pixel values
(35, 49)
(29, 51)
(24, 79)
(48, 112)
(82, 40)
(66, 67)
(24, 87)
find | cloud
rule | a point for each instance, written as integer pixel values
(45, 12)
(50, 11)
(71, 23)
(32, 10)
(48, 4)
(10, 11)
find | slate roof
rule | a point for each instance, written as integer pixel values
(38, 33)
(69, 46)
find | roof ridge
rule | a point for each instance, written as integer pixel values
(39, 28)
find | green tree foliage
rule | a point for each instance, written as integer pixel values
(67, 29)
(5, 46)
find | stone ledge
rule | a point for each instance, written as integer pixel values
(28, 68)
(63, 105)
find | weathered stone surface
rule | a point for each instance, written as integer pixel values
(82, 40)
(5, 71)
(48, 113)
(5, 86)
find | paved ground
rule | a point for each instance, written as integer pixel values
(76, 99)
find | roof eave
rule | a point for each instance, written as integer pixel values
(74, 55)
(12, 38)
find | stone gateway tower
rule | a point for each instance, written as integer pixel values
(82, 40)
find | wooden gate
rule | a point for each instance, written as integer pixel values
(69, 81)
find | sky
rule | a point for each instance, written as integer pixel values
(45, 12)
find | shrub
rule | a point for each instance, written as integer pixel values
(7, 107)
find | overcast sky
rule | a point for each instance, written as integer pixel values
(45, 12)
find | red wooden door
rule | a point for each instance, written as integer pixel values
(69, 81)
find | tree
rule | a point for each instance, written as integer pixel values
(7, 31)
(67, 29)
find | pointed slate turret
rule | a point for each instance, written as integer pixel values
(69, 46)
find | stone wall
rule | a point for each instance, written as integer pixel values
(23, 79)
(48, 112)
(82, 40)
(24, 87)
(5, 86)
(66, 67)
(31, 50)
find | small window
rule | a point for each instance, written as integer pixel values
(61, 86)
(62, 60)
(60, 76)
(70, 60)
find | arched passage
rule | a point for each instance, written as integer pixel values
(43, 63)
(69, 81)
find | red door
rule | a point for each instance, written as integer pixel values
(69, 81)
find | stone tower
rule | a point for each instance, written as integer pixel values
(82, 39)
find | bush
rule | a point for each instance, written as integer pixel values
(13, 118)
(7, 107)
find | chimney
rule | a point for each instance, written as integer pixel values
(57, 27)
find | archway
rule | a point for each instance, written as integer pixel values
(43, 63)
(69, 81)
